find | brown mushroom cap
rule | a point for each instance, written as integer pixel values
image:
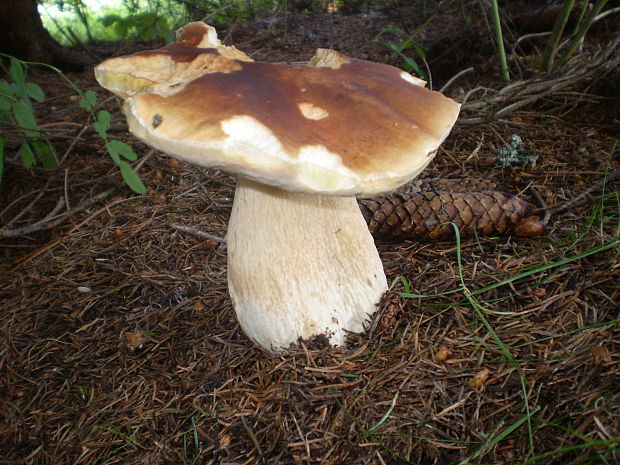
(337, 126)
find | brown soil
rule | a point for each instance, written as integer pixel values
(119, 343)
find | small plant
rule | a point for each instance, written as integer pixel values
(514, 153)
(404, 44)
(16, 110)
(119, 151)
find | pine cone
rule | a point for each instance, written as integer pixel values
(423, 215)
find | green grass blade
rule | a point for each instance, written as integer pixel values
(478, 309)
(499, 39)
(556, 35)
(384, 417)
(611, 444)
(489, 445)
(581, 32)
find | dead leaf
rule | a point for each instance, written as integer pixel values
(208, 244)
(579, 180)
(529, 227)
(135, 339)
(600, 355)
(479, 379)
(224, 441)
(442, 354)
(539, 292)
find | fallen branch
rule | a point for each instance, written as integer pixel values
(53, 218)
(198, 232)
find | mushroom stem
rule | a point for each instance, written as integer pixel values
(300, 265)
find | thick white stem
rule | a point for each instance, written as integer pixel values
(300, 265)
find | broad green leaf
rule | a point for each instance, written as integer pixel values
(115, 156)
(28, 159)
(131, 178)
(25, 118)
(34, 91)
(6, 89)
(88, 100)
(20, 91)
(103, 123)
(17, 71)
(45, 153)
(5, 104)
(121, 148)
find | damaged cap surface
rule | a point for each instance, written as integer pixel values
(337, 126)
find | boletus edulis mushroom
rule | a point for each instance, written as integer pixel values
(304, 141)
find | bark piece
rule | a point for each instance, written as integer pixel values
(423, 215)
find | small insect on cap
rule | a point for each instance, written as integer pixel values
(337, 126)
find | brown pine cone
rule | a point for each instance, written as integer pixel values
(422, 215)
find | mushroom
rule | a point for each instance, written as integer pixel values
(304, 141)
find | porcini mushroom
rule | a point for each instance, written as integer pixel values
(304, 141)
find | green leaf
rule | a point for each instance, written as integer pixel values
(25, 118)
(34, 91)
(413, 65)
(19, 89)
(147, 34)
(121, 29)
(108, 20)
(28, 159)
(17, 71)
(419, 50)
(121, 148)
(6, 89)
(131, 178)
(1, 158)
(394, 47)
(103, 123)
(88, 100)
(393, 30)
(45, 153)
(5, 104)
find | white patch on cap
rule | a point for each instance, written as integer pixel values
(311, 111)
(322, 171)
(412, 79)
(245, 130)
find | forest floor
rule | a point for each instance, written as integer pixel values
(119, 343)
